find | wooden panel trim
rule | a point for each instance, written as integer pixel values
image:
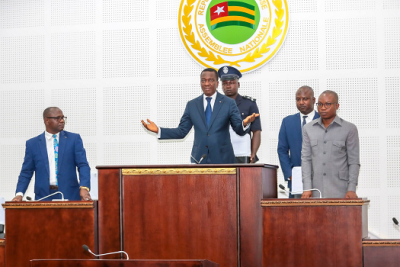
(175, 171)
(275, 203)
(385, 243)
(187, 166)
(2, 242)
(49, 205)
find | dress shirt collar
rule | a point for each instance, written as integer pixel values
(309, 115)
(213, 97)
(50, 136)
(337, 120)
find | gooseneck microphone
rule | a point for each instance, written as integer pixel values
(202, 157)
(28, 198)
(396, 222)
(300, 192)
(58, 192)
(86, 248)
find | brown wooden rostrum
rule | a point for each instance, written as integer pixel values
(185, 211)
(123, 263)
(314, 232)
(381, 252)
(49, 230)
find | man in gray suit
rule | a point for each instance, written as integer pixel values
(330, 156)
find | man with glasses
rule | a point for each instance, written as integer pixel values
(330, 157)
(210, 114)
(54, 156)
(290, 135)
(245, 147)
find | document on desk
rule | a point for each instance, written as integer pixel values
(297, 180)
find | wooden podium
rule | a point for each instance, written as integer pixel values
(185, 211)
(2, 252)
(381, 252)
(49, 230)
(123, 263)
(314, 232)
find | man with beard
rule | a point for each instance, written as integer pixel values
(290, 135)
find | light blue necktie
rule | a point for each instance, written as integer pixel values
(55, 145)
(208, 111)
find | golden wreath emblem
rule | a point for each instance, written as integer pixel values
(241, 33)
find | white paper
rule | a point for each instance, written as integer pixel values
(297, 181)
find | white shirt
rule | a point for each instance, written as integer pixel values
(212, 102)
(50, 155)
(310, 117)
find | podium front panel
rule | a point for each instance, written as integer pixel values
(180, 216)
(123, 263)
(313, 232)
(2, 252)
(49, 230)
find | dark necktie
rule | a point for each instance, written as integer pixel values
(208, 111)
(304, 121)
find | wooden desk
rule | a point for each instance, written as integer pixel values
(185, 211)
(314, 232)
(2, 252)
(123, 263)
(381, 252)
(49, 230)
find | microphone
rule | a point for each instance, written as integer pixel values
(202, 157)
(28, 198)
(396, 222)
(58, 192)
(86, 248)
(300, 192)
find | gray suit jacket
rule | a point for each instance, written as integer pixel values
(330, 158)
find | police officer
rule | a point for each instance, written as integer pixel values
(245, 147)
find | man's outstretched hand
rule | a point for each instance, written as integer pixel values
(250, 119)
(151, 126)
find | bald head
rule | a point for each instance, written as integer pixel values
(305, 88)
(49, 110)
(332, 93)
(305, 99)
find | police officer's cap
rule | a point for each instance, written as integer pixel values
(229, 73)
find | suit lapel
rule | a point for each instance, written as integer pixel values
(61, 148)
(316, 115)
(297, 125)
(200, 107)
(217, 106)
(43, 151)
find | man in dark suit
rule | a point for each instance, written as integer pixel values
(54, 156)
(210, 114)
(290, 135)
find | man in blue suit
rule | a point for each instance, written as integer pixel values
(290, 135)
(210, 114)
(54, 156)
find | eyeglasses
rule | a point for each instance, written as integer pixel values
(326, 105)
(226, 83)
(59, 118)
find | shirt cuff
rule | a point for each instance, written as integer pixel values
(159, 133)
(247, 127)
(19, 194)
(351, 187)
